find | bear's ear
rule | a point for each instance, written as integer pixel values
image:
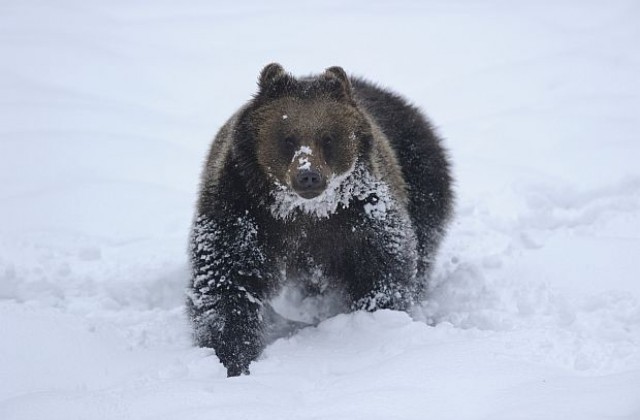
(340, 83)
(269, 74)
(275, 82)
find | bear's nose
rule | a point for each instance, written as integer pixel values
(309, 180)
(308, 183)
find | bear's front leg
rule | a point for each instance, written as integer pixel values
(228, 286)
(382, 266)
(230, 324)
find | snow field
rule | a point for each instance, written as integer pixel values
(107, 112)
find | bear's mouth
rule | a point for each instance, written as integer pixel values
(309, 194)
(308, 183)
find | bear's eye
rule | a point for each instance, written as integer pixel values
(328, 147)
(327, 139)
(289, 143)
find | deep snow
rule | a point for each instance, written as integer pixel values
(106, 113)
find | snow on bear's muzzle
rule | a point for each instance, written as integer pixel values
(309, 178)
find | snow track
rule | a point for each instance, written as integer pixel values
(107, 112)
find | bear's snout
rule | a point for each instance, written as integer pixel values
(309, 183)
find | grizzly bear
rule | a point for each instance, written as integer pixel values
(329, 184)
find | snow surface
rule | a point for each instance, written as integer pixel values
(107, 110)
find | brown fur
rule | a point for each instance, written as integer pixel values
(369, 241)
(289, 123)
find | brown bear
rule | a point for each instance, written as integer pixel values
(327, 183)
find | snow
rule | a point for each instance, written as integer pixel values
(287, 204)
(302, 154)
(107, 111)
(357, 183)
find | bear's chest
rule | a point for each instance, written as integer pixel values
(309, 257)
(305, 245)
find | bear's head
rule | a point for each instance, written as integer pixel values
(307, 132)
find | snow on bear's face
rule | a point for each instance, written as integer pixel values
(303, 144)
